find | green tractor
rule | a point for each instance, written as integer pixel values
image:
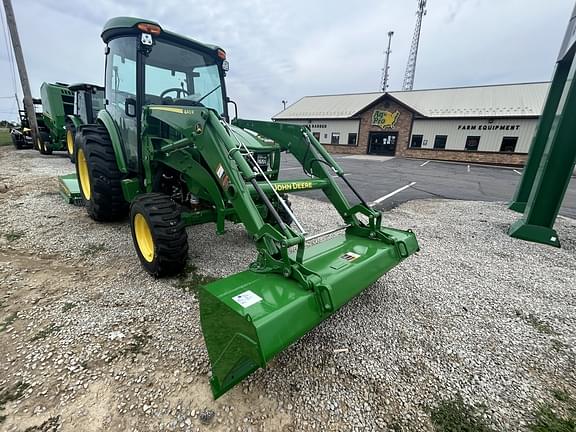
(65, 109)
(164, 153)
(22, 135)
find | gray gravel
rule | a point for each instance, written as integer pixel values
(103, 346)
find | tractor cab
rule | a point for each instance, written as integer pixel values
(157, 81)
(88, 101)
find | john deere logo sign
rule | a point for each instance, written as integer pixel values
(385, 119)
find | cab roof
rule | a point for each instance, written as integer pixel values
(122, 26)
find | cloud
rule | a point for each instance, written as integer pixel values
(288, 49)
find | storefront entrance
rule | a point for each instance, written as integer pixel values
(382, 143)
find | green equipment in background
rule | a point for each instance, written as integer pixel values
(552, 155)
(65, 109)
(164, 153)
(22, 136)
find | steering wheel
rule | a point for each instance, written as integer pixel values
(178, 91)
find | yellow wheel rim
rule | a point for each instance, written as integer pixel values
(70, 142)
(144, 237)
(83, 174)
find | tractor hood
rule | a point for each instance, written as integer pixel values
(190, 121)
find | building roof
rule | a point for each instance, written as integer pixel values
(505, 100)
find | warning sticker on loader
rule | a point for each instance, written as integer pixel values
(219, 171)
(247, 298)
(350, 256)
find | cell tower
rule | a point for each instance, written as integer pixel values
(411, 66)
(385, 74)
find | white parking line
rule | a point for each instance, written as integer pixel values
(517, 172)
(286, 169)
(391, 194)
(425, 163)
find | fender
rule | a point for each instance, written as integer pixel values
(107, 121)
(75, 120)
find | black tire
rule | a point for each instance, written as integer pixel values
(44, 143)
(96, 166)
(284, 215)
(159, 234)
(70, 140)
(17, 141)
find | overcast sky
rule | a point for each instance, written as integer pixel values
(286, 49)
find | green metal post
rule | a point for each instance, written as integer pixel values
(540, 139)
(556, 166)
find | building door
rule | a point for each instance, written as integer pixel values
(382, 143)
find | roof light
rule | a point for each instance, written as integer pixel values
(153, 29)
(221, 54)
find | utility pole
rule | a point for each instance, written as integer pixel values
(28, 103)
(411, 66)
(385, 74)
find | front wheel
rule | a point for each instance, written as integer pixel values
(159, 234)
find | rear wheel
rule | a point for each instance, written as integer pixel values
(159, 234)
(70, 134)
(99, 176)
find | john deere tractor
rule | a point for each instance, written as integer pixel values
(22, 135)
(64, 109)
(164, 153)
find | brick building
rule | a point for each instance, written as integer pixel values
(485, 124)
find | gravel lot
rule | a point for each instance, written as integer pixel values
(92, 343)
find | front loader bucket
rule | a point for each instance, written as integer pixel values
(249, 317)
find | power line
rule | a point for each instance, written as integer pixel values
(9, 54)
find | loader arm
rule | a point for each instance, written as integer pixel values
(249, 317)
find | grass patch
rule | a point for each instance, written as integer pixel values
(9, 394)
(191, 280)
(5, 138)
(42, 334)
(8, 321)
(560, 418)
(93, 249)
(536, 323)
(68, 306)
(14, 235)
(456, 416)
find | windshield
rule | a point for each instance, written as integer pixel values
(182, 76)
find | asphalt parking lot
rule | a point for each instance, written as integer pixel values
(375, 177)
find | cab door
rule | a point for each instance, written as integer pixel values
(121, 94)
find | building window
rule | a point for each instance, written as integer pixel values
(335, 138)
(508, 144)
(440, 141)
(316, 135)
(472, 143)
(416, 141)
(351, 139)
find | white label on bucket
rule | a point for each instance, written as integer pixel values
(247, 298)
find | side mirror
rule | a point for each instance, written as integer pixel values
(130, 107)
(230, 101)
